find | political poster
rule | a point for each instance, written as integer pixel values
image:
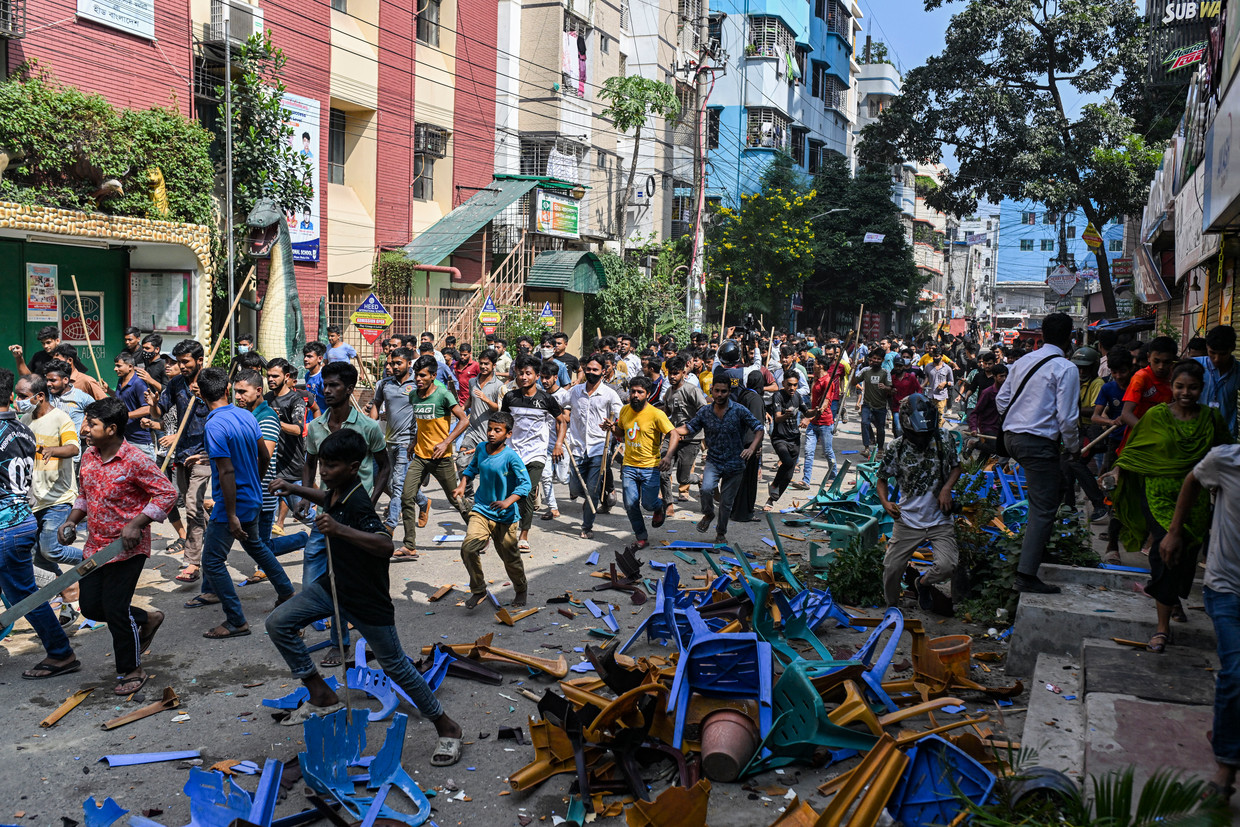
(302, 116)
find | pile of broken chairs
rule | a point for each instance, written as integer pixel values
(751, 685)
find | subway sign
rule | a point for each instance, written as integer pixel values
(1189, 10)
(1179, 37)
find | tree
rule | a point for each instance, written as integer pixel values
(265, 161)
(634, 303)
(848, 272)
(631, 100)
(1009, 127)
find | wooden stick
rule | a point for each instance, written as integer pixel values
(723, 316)
(86, 331)
(1101, 437)
(219, 340)
(582, 480)
(857, 332)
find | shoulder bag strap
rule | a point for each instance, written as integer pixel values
(1021, 387)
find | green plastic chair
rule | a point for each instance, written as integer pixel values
(801, 726)
(827, 493)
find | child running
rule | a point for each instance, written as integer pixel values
(502, 480)
(122, 493)
(360, 552)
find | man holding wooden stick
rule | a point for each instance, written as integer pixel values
(193, 471)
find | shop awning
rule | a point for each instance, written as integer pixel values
(442, 238)
(576, 271)
(1122, 325)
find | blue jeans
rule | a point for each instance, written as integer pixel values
(896, 428)
(315, 566)
(1224, 609)
(51, 552)
(315, 603)
(398, 456)
(835, 415)
(591, 469)
(553, 473)
(17, 582)
(217, 542)
(816, 435)
(641, 490)
(280, 545)
(728, 481)
(873, 419)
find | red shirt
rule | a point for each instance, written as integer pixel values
(1146, 390)
(116, 491)
(904, 387)
(463, 374)
(835, 374)
(820, 394)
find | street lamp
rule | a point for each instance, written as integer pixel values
(828, 212)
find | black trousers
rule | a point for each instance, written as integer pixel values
(106, 595)
(788, 452)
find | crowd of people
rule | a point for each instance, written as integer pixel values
(280, 457)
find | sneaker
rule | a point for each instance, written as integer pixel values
(1026, 584)
(1100, 515)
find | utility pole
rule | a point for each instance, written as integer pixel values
(695, 288)
(228, 175)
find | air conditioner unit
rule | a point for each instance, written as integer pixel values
(432, 140)
(244, 20)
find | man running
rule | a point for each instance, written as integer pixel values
(533, 411)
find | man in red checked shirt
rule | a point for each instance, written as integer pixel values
(818, 424)
(904, 383)
(123, 492)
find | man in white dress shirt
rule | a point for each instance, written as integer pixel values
(1040, 425)
(590, 403)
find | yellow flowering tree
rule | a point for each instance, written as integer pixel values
(764, 248)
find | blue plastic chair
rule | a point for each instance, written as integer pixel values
(721, 665)
(877, 661)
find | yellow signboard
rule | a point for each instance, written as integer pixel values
(1092, 237)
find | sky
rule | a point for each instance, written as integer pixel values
(912, 33)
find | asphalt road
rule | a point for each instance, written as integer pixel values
(50, 772)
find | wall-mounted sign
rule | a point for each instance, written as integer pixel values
(371, 318)
(556, 214)
(160, 300)
(546, 316)
(72, 329)
(1179, 37)
(302, 115)
(137, 17)
(41, 293)
(488, 317)
(1062, 280)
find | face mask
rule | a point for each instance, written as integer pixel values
(547, 352)
(23, 405)
(243, 348)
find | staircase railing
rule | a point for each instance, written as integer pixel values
(505, 284)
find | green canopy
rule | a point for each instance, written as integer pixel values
(576, 271)
(441, 239)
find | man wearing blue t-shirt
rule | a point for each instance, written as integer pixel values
(232, 436)
(337, 350)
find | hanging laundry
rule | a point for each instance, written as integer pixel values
(568, 60)
(581, 67)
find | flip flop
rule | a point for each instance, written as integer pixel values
(1158, 642)
(189, 578)
(307, 711)
(144, 640)
(121, 681)
(403, 553)
(200, 600)
(229, 631)
(523, 545)
(332, 659)
(447, 752)
(52, 671)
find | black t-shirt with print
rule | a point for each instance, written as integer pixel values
(361, 577)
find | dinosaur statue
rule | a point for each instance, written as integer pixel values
(281, 329)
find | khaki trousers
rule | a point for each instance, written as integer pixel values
(904, 541)
(504, 535)
(194, 482)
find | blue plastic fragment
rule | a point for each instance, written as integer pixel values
(954, 709)
(848, 452)
(592, 560)
(579, 649)
(295, 698)
(1069, 697)
(1114, 567)
(594, 609)
(584, 666)
(101, 815)
(611, 622)
(450, 538)
(1004, 703)
(149, 757)
(658, 564)
(768, 541)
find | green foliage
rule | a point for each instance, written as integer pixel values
(264, 159)
(1164, 799)
(393, 275)
(635, 303)
(1015, 131)
(71, 142)
(984, 574)
(854, 574)
(765, 246)
(631, 99)
(223, 356)
(878, 52)
(517, 320)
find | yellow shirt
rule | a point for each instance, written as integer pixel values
(643, 435)
(707, 378)
(927, 359)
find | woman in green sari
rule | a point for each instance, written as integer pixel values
(1161, 450)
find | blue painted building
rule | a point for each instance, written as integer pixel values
(788, 87)
(1029, 241)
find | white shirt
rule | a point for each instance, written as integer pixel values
(1049, 405)
(586, 413)
(1219, 471)
(632, 365)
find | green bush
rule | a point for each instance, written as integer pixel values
(855, 574)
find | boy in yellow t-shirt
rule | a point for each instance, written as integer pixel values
(641, 426)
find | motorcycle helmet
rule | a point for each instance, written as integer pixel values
(919, 415)
(729, 354)
(1086, 357)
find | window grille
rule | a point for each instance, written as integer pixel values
(428, 22)
(769, 37)
(839, 21)
(431, 139)
(768, 128)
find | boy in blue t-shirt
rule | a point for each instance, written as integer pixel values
(337, 350)
(312, 357)
(501, 481)
(1110, 402)
(232, 435)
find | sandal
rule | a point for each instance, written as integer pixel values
(1177, 613)
(704, 523)
(474, 600)
(229, 631)
(257, 577)
(332, 659)
(176, 546)
(404, 553)
(447, 752)
(523, 545)
(200, 600)
(1214, 793)
(145, 638)
(307, 711)
(587, 535)
(187, 576)
(123, 681)
(51, 669)
(1158, 642)
(636, 545)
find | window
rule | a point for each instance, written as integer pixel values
(433, 140)
(712, 128)
(341, 5)
(814, 162)
(423, 177)
(838, 20)
(1071, 231)
(987, 264)
(601, 159)
(686, 96)
(799, 134)
(428, 22)
(604, 44)
(820, 9)
(1115, 245)
(1028, 218)
(987, 226)
(769, 37)
(816, 81)
(835, 93)
(988, 241)
(768, 128)
(1026, 245)
(624, 14)
(714, 28)
(624, 61)
(1048, 245)
(335, 146)
(689, 25)
(570, 83)
(1049, 217)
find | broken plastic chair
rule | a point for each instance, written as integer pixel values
(865, 790)
(721, 665)
(377, 684)
(101, 815)
(938, 774)
(826, 493)
(666, 622)
(553, 754)
(854, 709)
(335, 742)
(801, 726)
(675, 807)
(298, 696)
